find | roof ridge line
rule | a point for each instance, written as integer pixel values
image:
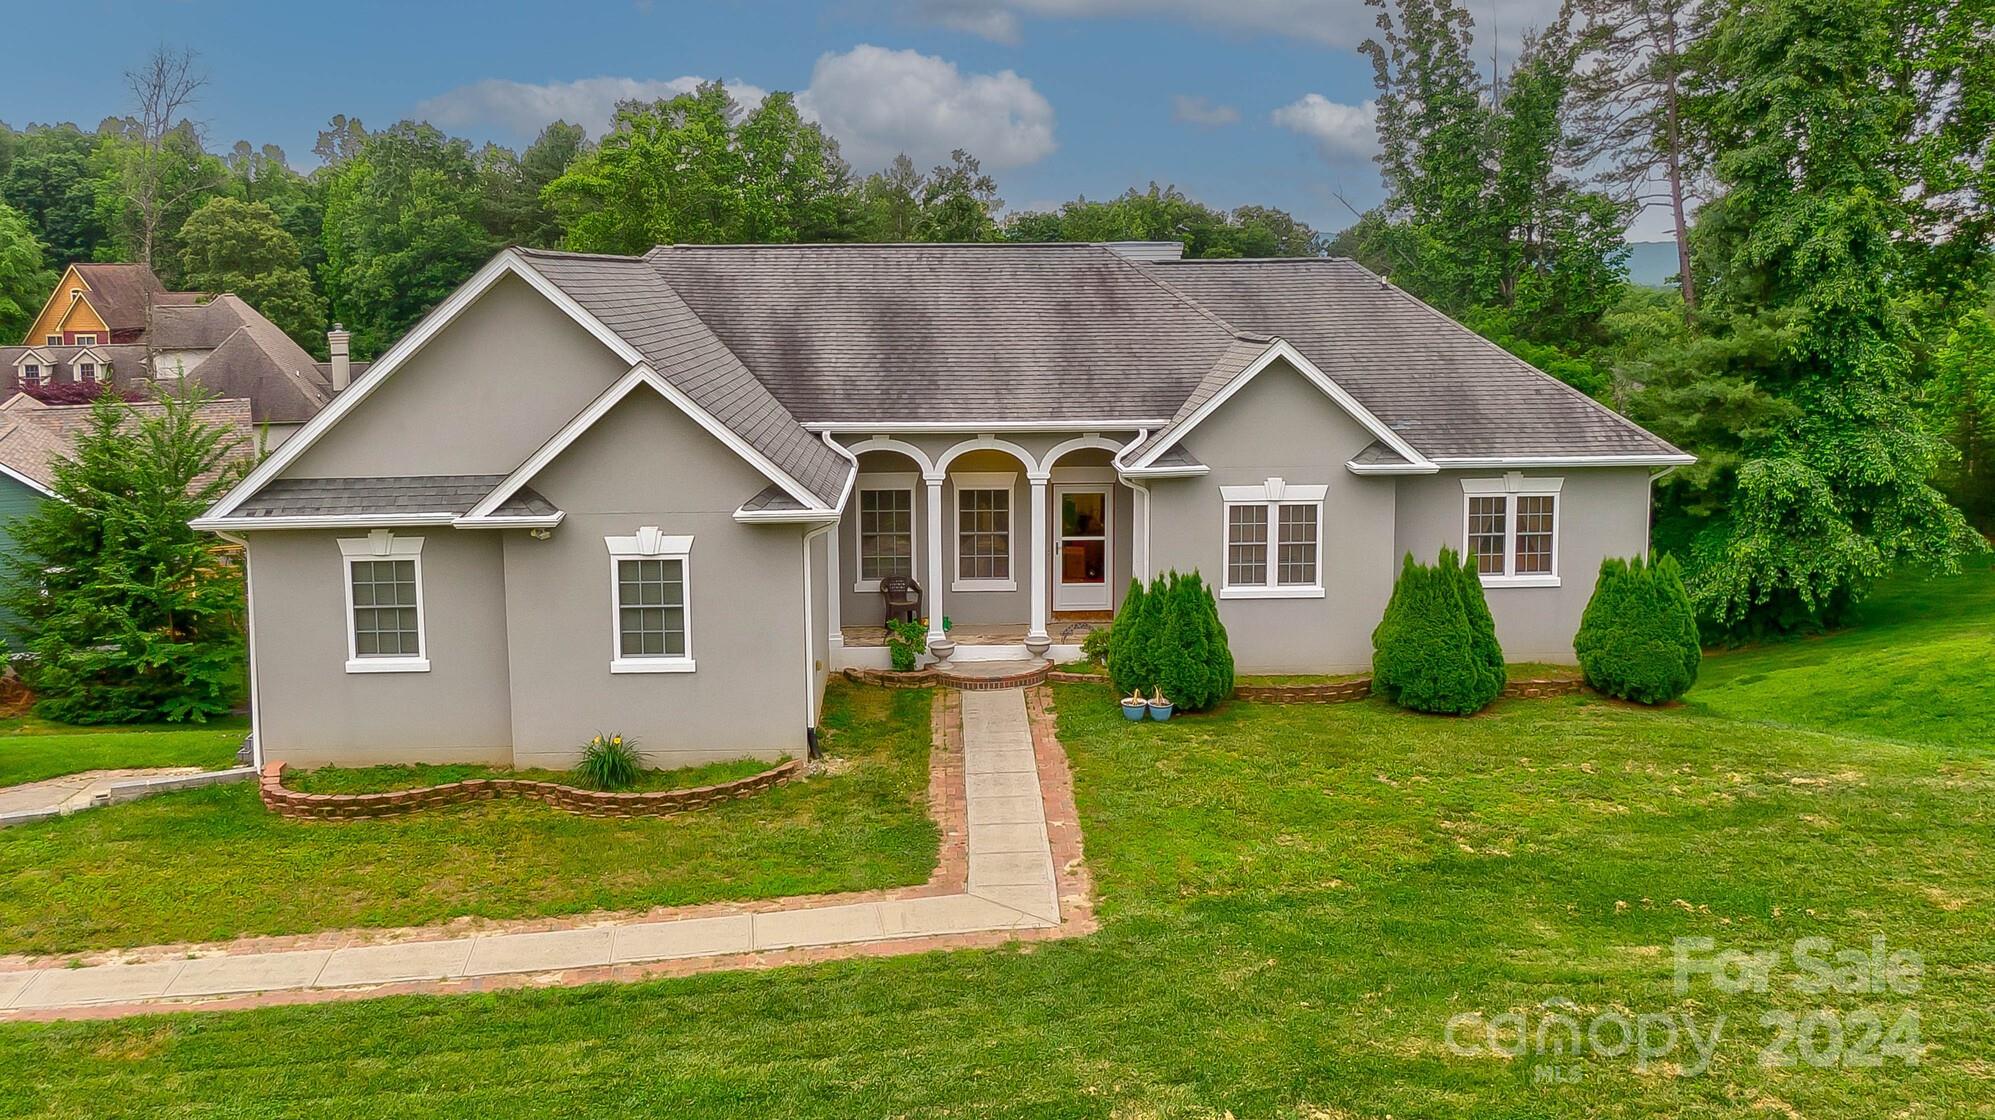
(1178, 294)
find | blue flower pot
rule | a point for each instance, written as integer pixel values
(1161, 712)
(1133, 712)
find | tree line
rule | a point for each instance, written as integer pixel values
(1828, 352)
(390, 220)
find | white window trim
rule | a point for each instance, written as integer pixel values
(86, 340)
(1509, 487)
(383, 544)
(1274, 493)
(1006, 481)
(651, 544)
(909, 481)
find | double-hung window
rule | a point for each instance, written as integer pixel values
(886, 529)
(650, 603)
(86, 373)
(31, 375)
(1511, 528)
(1274, 541)
(384, 604)
(983, 532)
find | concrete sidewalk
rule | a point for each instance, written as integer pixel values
(1011, 886)
(75, 791)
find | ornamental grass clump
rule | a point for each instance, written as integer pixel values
(1638, 638)
(1436, 650)
(609, 762)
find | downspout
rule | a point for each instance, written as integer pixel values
(249, 647)
(810, 654)
(1142, 489)
(1649, 521)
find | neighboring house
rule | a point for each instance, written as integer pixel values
(33, 436)
(657, 494)
(115, 324)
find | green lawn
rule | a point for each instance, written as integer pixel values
(1295, 900)
(213, 863)
(32, 749)
(381, 779)
(1919, 667)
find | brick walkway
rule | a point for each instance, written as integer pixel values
(1023, 862)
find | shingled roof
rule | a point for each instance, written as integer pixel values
(1439, 386)
(33, 435)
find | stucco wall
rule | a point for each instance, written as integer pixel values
(478, 399)
(1281, 426)
(1602, 511)
(643, 464)
(313, 712)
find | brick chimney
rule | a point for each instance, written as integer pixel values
(342, 367)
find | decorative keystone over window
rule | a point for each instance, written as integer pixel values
(1274, 547)
(1510, 526)
(650, 602)
(384, 603)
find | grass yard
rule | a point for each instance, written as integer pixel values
(383, 779)
(32, 750)
(1919, 668)
(1295, 900)
(212, 864)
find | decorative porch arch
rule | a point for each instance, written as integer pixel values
(1080, 443)
(990, 443)
(929, 469)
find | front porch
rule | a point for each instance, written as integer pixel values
(1024, 543)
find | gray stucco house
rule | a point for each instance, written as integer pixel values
(657, 494)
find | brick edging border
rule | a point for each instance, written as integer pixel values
(931, 676)
(587, 802)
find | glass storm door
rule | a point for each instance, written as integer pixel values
(1080, 555)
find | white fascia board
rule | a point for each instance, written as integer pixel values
(507, 263)
(640, 374)
(786, 516)
(1656, 460)
(1391, 468)
(1280, 348)
(24, 480)
(1164, 472)
(973, 426)
(332, 521)
(520, 521)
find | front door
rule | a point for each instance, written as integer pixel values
(1080, 554)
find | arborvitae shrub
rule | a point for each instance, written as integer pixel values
(1638, 637)
(1128, 657)
(1169, 636)
(1436, 650)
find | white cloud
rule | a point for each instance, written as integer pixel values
(1341, 132)
(1186, 109)
(875, 102)
(878, 102)
(523, 108)
(1337, 23)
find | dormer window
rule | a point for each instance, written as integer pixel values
(31, 376)
(86, 372)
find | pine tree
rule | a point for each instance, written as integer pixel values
(131, 614)
(1160, 659)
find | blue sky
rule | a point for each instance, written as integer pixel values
(1234, 101)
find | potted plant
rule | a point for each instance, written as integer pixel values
(1160, 708)
(1134, 706)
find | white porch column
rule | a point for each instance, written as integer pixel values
(938, 642)
(1036, 639)
(835, 593)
